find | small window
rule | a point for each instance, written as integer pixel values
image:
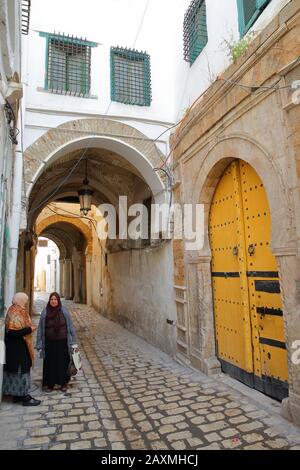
(68, 65)
(249, 11)
(130, 77)
(195, 35)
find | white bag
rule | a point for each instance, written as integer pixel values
(76, 357)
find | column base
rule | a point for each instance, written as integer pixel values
(209, 366)
(290, 408)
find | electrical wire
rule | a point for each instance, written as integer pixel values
(136, 37)
(61, 184)
(141, 24)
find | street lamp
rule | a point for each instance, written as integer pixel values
(85, 194)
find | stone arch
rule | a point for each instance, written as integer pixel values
(213, 164)
(243, 147)
(57, 241)
(55, 219)
(125, 140)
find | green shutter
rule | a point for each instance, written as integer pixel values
(195, 35)
(262, 3)
(68, 64)
(248, 12)
(130, 76)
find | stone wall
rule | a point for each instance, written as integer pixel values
(260, 126)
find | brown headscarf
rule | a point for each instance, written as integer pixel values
(18, 318)
(54, 315)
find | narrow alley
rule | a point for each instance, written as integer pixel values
(132, 396)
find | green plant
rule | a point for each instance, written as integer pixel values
(237, 48)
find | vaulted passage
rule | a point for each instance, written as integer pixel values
(119, 276)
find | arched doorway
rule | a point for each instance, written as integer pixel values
(46, 279)
(247, 301)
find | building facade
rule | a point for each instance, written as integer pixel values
(101, 102)
(12, 21)
(236, 153)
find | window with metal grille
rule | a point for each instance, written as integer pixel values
(249, 11)
(68, 65)
(130, 77)
(26, 4)
(195, 35)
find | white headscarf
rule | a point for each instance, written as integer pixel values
(20, 299)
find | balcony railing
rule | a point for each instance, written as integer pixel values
(26, 4)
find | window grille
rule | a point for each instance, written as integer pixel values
(249, 11)
(68, 65)
(26, 4)
(195, 35)
(130, 77)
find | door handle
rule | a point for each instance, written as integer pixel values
(251, 250)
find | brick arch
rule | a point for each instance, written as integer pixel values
(55, 219)
(244, 147)
(124, 139)
(61, 246)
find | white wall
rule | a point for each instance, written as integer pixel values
(175, 84)
(41, 264)
(109, 23)
(222, 25)
(142, 294)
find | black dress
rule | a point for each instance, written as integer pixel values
(16, 376)
(57, 357)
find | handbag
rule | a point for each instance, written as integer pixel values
(76, 357)
(75, 361)
(72, 371)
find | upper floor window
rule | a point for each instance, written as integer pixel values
(249, 11)
(130, 77)
(68, 65)
(26, 5)
(194, 30)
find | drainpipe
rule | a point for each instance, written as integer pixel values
(14, 226)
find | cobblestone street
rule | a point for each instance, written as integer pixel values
(131, 396)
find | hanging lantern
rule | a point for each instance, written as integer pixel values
(85, 195)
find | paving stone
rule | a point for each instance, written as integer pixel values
(42, 431)
(34, 441)
(178, 436)
(101, 443)
(80, 445)
(250, 426)
(253, 437)
(72, 428)
(213, 437)
(232, 443)
(218, 425)
(277, 443)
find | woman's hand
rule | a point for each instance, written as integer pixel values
(33, 328)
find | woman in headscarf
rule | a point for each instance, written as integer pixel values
(55, 338)
(19, 352)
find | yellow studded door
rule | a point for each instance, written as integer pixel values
(247, 300)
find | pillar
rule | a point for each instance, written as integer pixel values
(76, 259)
(67, 278)
(89, 286)
(288, 265)
(61, 277)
